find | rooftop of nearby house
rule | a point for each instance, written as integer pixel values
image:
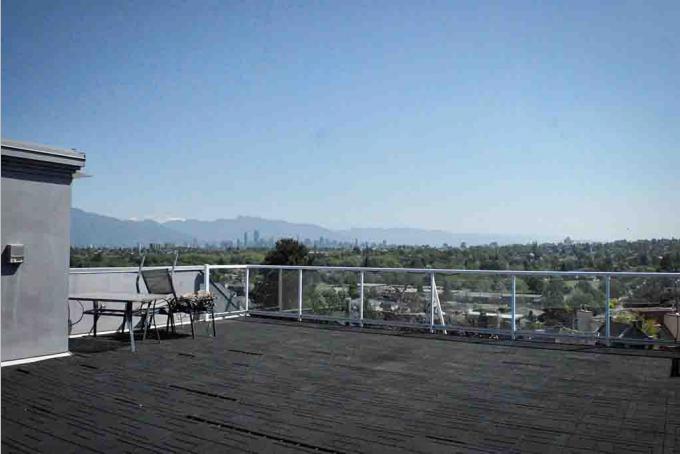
(264, 385)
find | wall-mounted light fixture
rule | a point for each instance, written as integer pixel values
(15, 253)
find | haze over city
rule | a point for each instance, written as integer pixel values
(549, 119)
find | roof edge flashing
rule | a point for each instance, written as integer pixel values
(44, 153)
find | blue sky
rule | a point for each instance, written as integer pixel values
(551, 118)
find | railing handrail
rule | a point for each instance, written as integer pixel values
(130, 269)
(365, 269)
(358, 269)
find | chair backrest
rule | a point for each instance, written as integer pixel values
(159, 281)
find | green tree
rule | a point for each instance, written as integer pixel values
(286, 252)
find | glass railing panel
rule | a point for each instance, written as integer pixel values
(399, 297)
(570, 309)
(479, 302)
(330, 294)
(645, 309)
(274, 290)
(228, 288)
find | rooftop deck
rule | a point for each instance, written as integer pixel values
(268, 386)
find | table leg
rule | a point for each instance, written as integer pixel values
(128, 309)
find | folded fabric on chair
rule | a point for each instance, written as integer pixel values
(199, 301)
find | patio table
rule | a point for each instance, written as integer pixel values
(121, 298)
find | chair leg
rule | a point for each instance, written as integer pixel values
(153, 315)
(149, 317)
(212, 312)
(191, 321)
(171, 320)
(146, 322)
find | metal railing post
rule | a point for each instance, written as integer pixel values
(281, 289)
(607, 315)
(514, 306)
(206, 284)
(206, 278)
(299, 295)
(361, 299)
(247, 288)
(432, 290)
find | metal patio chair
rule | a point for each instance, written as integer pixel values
(161, 281)
(156, 286)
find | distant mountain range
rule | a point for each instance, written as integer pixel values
(90, 229)
(97, 230)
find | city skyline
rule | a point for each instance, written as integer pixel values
(91, 229)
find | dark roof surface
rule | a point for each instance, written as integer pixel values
(624, 330)
(270, 386)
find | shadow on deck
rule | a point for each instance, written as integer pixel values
(266, 386)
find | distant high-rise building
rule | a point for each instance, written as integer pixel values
(245, 239)
(256, 237)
